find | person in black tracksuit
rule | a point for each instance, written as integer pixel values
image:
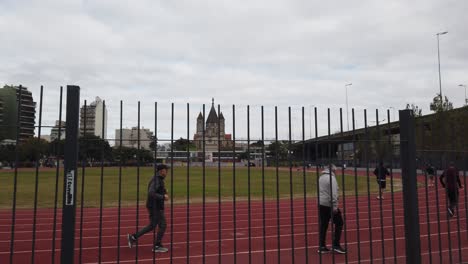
(157, 194)
(381, 173)
(450, 180)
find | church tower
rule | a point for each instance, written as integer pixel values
(214, 131)
(200, 124)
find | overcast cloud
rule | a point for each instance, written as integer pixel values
(272, 53)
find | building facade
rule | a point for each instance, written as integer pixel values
(54, 133)
(212, 132)
(95, 115)
(9, 99)
(130, 138)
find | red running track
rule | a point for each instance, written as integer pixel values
(368, 247)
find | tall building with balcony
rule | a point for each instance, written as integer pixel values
(10, 98)
(95, 115)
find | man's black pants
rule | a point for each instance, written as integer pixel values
(453, 198)
(157, 219)
(325, 215)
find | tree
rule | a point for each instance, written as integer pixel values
(92, 147)
(440, 106)
(416, 110)
(279, 149)
(57, 147)
(7, 154)
(32, 149)
(257, 144)
(181, 145)
(125, 155)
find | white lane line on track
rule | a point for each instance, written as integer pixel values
(348, 220)
(254, 252)
(288, 235)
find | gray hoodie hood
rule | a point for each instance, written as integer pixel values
(328, 192)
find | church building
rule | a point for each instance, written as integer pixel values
(214, 127)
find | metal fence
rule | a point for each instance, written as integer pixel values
(234, 198)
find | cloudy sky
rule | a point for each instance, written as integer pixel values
(271, 53)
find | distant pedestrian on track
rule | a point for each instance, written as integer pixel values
(430, 171)
(381, 173)
(450, 180)
(157, 194)
(328, 188)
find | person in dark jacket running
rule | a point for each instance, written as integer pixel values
(430, 171)
(157, 194)
(450, 180)
(381, 173)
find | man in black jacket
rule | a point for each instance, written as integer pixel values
(157, 194)
(450, 180)
(381, 173)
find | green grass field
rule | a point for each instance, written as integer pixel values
(47, 179)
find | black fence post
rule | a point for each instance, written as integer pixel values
(410, 190)
(69, 180)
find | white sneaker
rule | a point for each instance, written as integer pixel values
(131, 240)
(160, 249)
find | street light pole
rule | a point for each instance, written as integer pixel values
(466, 100)
(394, 117)
(347, 112)
(438, 56)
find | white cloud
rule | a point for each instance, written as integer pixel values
(258, 52)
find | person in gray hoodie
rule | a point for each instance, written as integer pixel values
(328, 208)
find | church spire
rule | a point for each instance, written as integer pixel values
(212, 101)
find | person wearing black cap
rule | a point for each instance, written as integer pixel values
(157, 194)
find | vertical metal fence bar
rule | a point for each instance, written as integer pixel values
(172, 180)
(464, 189)
(369, 212)
(458, 197)
(69, 179)
(304, 182)
(57, 173)
(329, 162)
(343, 186)
(382, 237)
(119, 210)
(277, 187)
(291, 195)
(138, 160)
(447, 203)
(188, 187)
(426, 164)
(83, 173)
(101, 191)
(219, 185)
(318, 176)
(410, 191)
(465, 168)
(248, 185)
(263, 188)
(155, 163)
(204, 189)
(137, 215)
(390, 142)
(356, 193)
(439, 237)
(36, 180)
(234, 180)
(15, 184)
